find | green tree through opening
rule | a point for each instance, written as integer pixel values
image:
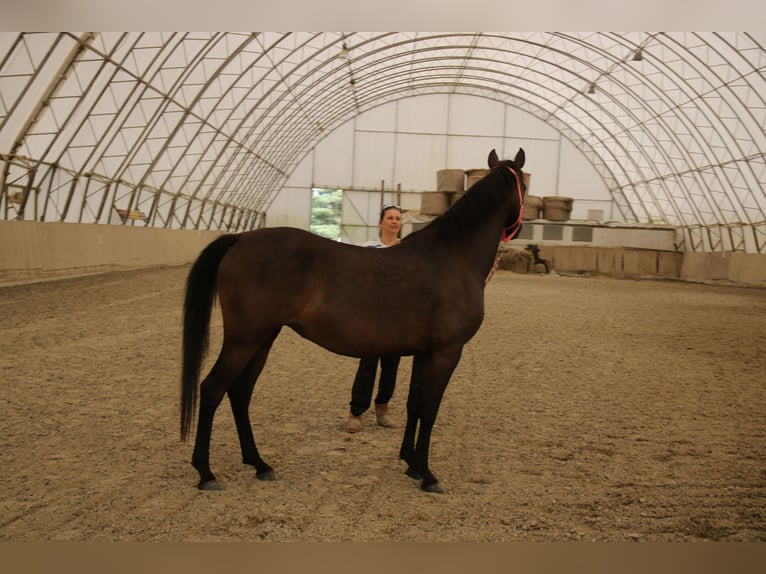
(326, 211)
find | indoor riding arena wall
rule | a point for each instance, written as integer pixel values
(33, 251)
(746, 269)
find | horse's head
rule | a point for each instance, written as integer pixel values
(512, 225)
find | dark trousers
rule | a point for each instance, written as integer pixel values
(364, 382)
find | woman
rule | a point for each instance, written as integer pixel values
(390, 225)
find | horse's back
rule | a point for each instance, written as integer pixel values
(275, 260)
(283, 254)
(290, 268)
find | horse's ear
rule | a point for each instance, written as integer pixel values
(493, 160)
(518, 161)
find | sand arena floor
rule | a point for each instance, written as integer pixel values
(584, 409)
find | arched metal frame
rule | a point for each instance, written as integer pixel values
(201, 130)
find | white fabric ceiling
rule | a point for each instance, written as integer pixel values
(196, 130)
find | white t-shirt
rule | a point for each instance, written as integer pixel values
(376, 243)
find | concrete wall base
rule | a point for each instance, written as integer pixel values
(33, 251)
(745, 269)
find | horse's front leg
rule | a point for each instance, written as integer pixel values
(431, 373)
(407, 450)
(420, 468)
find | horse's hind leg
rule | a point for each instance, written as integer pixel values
(240, 394)
(228, 367)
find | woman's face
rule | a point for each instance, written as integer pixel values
(391, 220)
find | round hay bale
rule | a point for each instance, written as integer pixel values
(434, 202)
(453, 197)
(516, 260)
(557, 208)
(533, 205)
(527, 179)
(474, 175)
(450, 180)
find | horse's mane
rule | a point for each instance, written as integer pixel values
(468, 212)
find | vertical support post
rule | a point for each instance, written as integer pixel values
(382, 192)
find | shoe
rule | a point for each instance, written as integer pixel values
(354, 424)
(383, 416)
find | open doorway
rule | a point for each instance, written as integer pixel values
(326, 212)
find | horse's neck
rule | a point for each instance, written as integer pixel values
(484, 247)
(480, 241)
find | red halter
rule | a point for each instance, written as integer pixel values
(513, 230)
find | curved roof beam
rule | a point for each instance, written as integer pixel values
(204, 128)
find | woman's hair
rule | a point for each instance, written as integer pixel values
(386, 208)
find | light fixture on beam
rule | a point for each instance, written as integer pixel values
(638, 55)
(352, 85)
(592, 88)
(344, 53)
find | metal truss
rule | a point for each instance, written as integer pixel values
(201, 130)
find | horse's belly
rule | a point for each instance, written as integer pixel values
(350, 341)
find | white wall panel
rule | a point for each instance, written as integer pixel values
(579, 179)
(302, 174)
(469, 115)
(467, 152)
(358, 206)
(291, 207)
(542, 161)
(519, 123)
(424, 114)
(333, 157)
(418, 157)
(374, 159)
(382, 118)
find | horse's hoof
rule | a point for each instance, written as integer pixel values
(433, 487)
(412, 473)
(266, 475)
(211, 485)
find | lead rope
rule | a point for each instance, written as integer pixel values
(494, 267)
(510, 232)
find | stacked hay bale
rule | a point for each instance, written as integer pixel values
(450, 186)
(557, 208)
(474, 175)
(433, 202)
(471, 177)
(516, 260)
(533, 207)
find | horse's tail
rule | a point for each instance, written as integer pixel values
(201, 290)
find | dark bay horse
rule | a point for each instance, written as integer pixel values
(329, 293)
